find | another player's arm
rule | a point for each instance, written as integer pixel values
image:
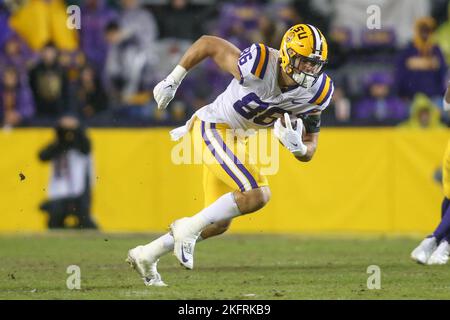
(51, 151)
(224, 54)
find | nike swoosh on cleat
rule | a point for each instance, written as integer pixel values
(182, 255)
(169, 86)
(295, 145)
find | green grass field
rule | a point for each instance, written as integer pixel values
(229, 267)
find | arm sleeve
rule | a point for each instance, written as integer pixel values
(50, 152)
(311, 122)
(83, 144)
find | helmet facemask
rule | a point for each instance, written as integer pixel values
(303, 70)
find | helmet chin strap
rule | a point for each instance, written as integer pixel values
(302, 79)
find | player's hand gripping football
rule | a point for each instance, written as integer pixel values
(165, 91)
(289, 137)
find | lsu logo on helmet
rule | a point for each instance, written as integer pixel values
(303, 53)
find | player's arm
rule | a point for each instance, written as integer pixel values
(311, 135)
(310, 140)
(51, 151)
(301, 145)
(224, 54)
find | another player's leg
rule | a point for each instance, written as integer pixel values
(435, 248)
(425, 249)
(441, 254)
(441, 234)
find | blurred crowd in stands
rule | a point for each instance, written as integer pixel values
(105, 71)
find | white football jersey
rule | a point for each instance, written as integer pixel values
(257, 101)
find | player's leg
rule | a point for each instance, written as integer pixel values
(57, 212)
(145, 258)
(227, 207)
(219, 198)
(213, 189)
(425, 250)
(444, 206)
(435, 248)
(441, 237)
(442, 232)
(252, 191)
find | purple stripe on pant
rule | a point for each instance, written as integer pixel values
(235, 159)
(220, 160)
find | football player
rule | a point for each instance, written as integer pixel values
(435, 248)
(285, 89)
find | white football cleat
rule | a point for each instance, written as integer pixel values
(440, 255)
(185, 238)
(146, 268)
(422, 253)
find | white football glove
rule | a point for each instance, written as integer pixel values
(165, 91)
(290, 138)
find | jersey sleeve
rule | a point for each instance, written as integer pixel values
(253, 63)
(322, 92)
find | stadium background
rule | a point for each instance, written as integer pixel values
(373, 172)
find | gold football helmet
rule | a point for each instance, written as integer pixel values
(303, 53)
